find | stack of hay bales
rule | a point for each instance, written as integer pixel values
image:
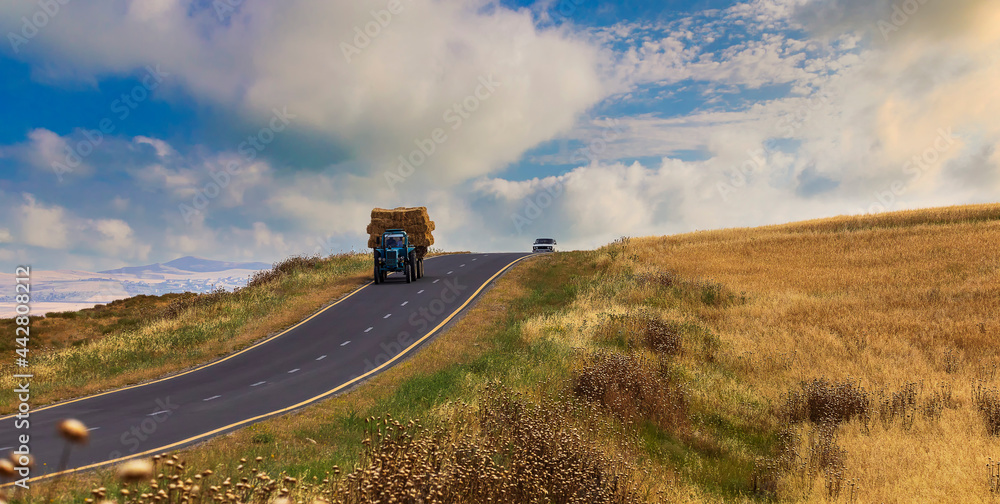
(414, 221)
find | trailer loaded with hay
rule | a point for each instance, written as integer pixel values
(399, 238)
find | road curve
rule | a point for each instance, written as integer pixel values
(362, 334)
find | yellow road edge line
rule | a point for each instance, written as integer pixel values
(199, 368)
(203, 366)
(288, 408)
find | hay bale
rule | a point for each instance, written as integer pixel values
(415, 241)
(415, 221)
(402, 214)
(378, 226)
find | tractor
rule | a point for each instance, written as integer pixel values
(394, 254)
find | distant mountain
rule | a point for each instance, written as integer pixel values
(55, 290)
(188, 264)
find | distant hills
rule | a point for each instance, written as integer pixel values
(189, 264)
(60, 290)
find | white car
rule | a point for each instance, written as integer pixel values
(544, 245)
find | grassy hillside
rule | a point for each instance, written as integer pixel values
(144, 337)
(848, 359)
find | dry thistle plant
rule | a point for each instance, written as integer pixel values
(633, 385)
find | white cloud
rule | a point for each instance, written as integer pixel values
(42, 225)
(51, 154)
(163, 149)
(48, 226)
(429, 57)
(264, 238)
(114, 238)
(859, 109)
(120, 203)
(182, 183)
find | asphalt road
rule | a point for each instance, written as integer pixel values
(362, 334)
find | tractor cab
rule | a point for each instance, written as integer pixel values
(395, 255)
(394, 238)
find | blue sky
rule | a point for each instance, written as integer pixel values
(272, 129)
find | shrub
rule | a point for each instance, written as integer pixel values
(633, 385)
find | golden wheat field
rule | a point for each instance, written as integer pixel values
(840, 360)
(900, 310)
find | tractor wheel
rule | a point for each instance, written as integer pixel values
(377, 275)
(414, 266)
(420, 268)
(408, 272)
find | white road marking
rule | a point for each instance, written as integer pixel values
(93, 428)
(421, 291)
(462, 266)
(321, 357)
(293, 371)
(473, 259)
(436, 281)
(345, 343)
(210, 398)
(387, 315)
(404, 303)
(6, 448)
(450, 272)
(258, 383)
(369, 329)
(157, 412)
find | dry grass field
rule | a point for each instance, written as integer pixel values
(840, 360)
(145, 337)
(884, 326)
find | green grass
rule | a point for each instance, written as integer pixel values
(719, 460)
(145, 337)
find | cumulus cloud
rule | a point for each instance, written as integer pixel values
(163, 149)
(114, 238)
(803, 109)
(480, 73)
(51, 226)
(43, 225)
(51, 154)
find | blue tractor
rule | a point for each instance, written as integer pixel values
(394, 254)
